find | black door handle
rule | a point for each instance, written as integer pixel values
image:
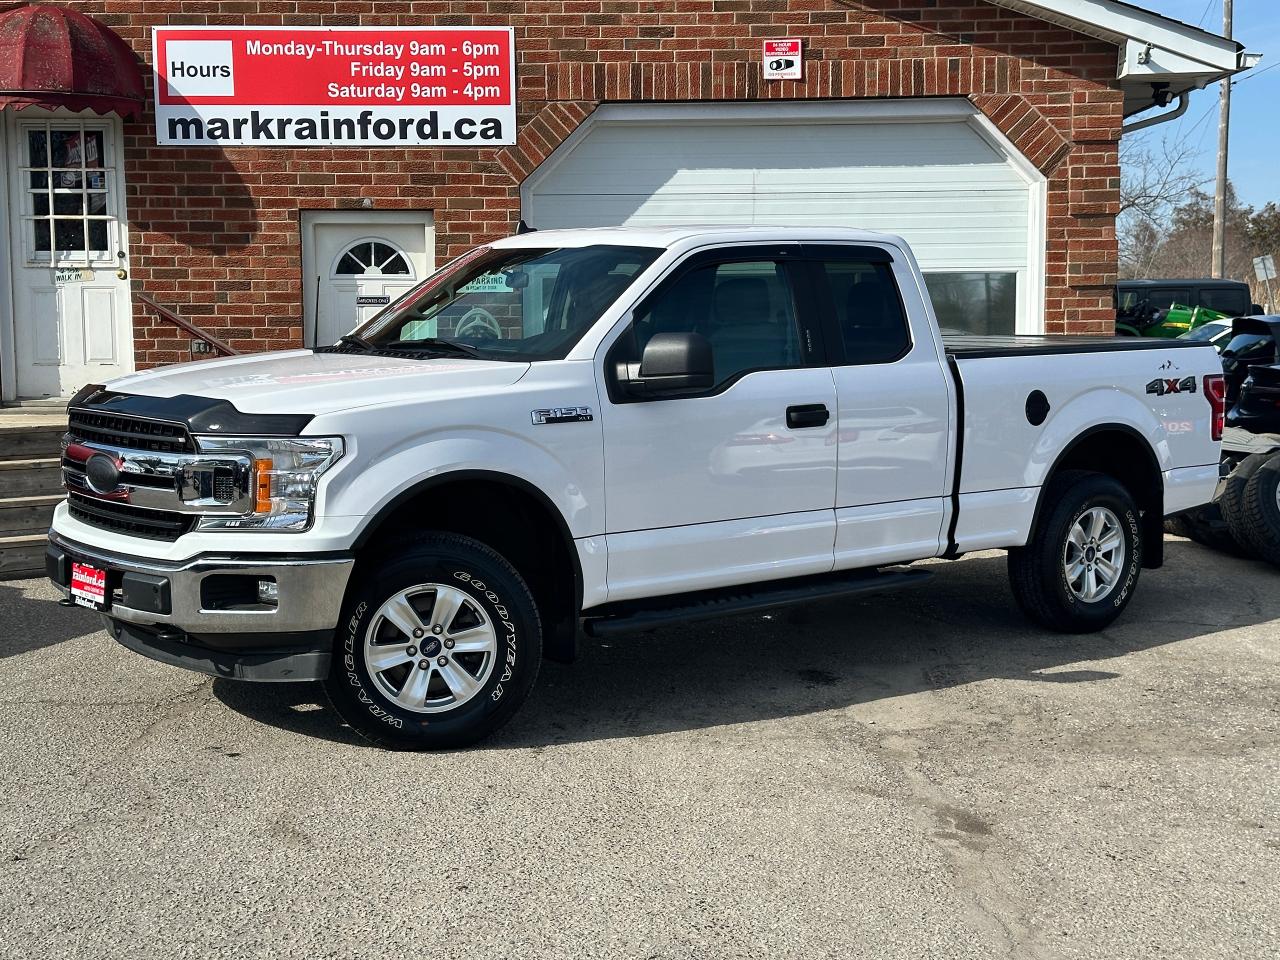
(808, 415)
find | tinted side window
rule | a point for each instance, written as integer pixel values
(1162, 298)
(745, 309)
(868, 310)
(1234, 303)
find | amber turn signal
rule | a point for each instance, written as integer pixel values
(262, 485)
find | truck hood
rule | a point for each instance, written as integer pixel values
(300, 381)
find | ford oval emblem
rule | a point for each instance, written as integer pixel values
(103, 473)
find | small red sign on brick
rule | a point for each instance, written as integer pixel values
(784, 59)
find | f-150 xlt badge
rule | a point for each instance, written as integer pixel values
(562, 415)
(1161, 385)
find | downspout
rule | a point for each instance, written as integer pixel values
(1184, 101)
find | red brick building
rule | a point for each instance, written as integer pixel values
(984, 131)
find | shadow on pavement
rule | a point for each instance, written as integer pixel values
(30, 618)
(296, 707)
(960, 628)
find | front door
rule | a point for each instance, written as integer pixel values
(357, 265)
(68, 261)
(736, 484)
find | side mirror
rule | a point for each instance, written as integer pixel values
(1255, 309)
(671, 363)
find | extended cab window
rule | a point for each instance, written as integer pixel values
(744, 308)
(873, 324)
(508, 303)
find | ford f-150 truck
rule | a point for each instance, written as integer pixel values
(611, 430)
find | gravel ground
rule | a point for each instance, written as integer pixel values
(917, 775)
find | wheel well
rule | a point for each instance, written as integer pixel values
(515, 520)
(1123, 454)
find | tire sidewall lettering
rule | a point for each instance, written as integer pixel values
(1133, 557)
(369, 697)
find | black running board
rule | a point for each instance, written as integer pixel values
(629, 616)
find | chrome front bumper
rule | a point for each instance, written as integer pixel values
(193, 596)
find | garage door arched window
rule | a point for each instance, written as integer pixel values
(372, 258)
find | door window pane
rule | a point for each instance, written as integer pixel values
(1234, 303)
(68, 203)
(97, 235)
(745, 310)
(374, 258)
(68, 234)
(38, 148)
(868, 310)
(980, 303)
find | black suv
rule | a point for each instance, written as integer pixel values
(1140, 303)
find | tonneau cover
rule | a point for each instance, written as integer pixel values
(965, 346)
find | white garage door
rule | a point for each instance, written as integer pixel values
(971, 211)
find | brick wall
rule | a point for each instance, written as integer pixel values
(216, 231)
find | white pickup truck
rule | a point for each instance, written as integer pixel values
(612, 430)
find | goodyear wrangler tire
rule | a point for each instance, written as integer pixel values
(438, 645)
(1079, 570)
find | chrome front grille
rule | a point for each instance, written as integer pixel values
(146, 478)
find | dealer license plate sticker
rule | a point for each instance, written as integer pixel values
(89, 586)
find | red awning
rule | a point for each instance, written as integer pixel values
(54, 57)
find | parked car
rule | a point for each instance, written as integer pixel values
(672, 424)
(1143, 306)
(1244, 517)
(1215, 332)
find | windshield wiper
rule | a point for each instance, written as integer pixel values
(428, 344)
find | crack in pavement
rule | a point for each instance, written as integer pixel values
(166, 710)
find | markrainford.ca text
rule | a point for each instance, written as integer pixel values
(326, 129)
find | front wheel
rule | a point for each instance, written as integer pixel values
(1079, 570)
(438, 646)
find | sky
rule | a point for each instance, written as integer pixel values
(1255, 136)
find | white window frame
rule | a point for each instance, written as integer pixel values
(112, 188)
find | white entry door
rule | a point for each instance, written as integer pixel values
(356, 265)
(68, 261)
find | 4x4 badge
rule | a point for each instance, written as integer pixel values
(562, 415)
(1162, 386)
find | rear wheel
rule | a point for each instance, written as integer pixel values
(1261, 509)
(438, 645)
(1079, 570)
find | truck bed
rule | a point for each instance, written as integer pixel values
(1023, 400)
(966, 346)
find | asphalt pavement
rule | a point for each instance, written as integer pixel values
(922, 774)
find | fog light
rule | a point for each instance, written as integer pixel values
(268, 592)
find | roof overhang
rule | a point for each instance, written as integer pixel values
(1155, 53)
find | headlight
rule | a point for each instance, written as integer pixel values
(283, 481)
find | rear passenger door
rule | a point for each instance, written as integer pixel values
(894, 407)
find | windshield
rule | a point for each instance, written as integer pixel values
(508, 304)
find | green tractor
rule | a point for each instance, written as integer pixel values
(1176, 321)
